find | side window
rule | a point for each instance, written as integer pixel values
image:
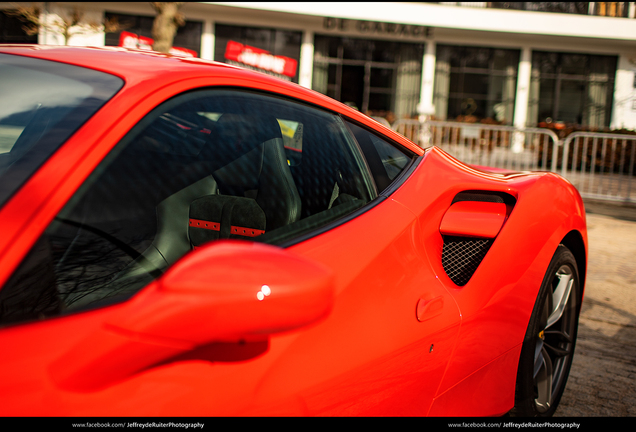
(385, 160)
(204, 166)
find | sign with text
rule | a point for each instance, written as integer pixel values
(377, 28)
(132, 40)
(260, 59)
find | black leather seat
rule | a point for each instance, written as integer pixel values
(249, 191)
(259, 167)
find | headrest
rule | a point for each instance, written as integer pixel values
(237, 134)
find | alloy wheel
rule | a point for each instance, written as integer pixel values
(554, 347)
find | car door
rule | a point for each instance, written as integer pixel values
(94, 327)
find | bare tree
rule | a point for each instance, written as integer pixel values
(165, 26)
(67, 26)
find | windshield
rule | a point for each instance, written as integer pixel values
(42, 103)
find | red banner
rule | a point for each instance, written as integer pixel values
(131, 40)
(260, 59)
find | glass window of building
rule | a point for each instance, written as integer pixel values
(271, 51)
(474, 83)
(12, 31)
(571, 88)
(379, 78)
(137, 32)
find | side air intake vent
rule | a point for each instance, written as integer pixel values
(462, 255)
(485, 196)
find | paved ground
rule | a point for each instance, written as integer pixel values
(603, 376)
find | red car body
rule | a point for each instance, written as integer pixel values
(384, 330)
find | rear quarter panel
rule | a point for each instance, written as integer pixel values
(496, 304)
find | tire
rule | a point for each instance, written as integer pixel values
(548, 347)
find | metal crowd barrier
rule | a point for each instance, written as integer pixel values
(601, 166)
(481, 144)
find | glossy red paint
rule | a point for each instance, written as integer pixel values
(373, 326)
(473, 219)
(496, 304)
(180, 312)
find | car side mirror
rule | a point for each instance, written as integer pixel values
(231, 290)
(226, 291)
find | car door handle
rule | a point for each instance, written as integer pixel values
(429, 308)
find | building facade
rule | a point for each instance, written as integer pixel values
(522, 64)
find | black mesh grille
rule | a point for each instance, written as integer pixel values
(462, 255)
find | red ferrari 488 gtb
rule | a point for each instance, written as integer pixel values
(180, 237)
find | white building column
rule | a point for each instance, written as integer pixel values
(523, 88)
(624, 109)
(306, 65)
(207, 40)
(43, 37)
(426, 108)
(523, 97)
(49, 14)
